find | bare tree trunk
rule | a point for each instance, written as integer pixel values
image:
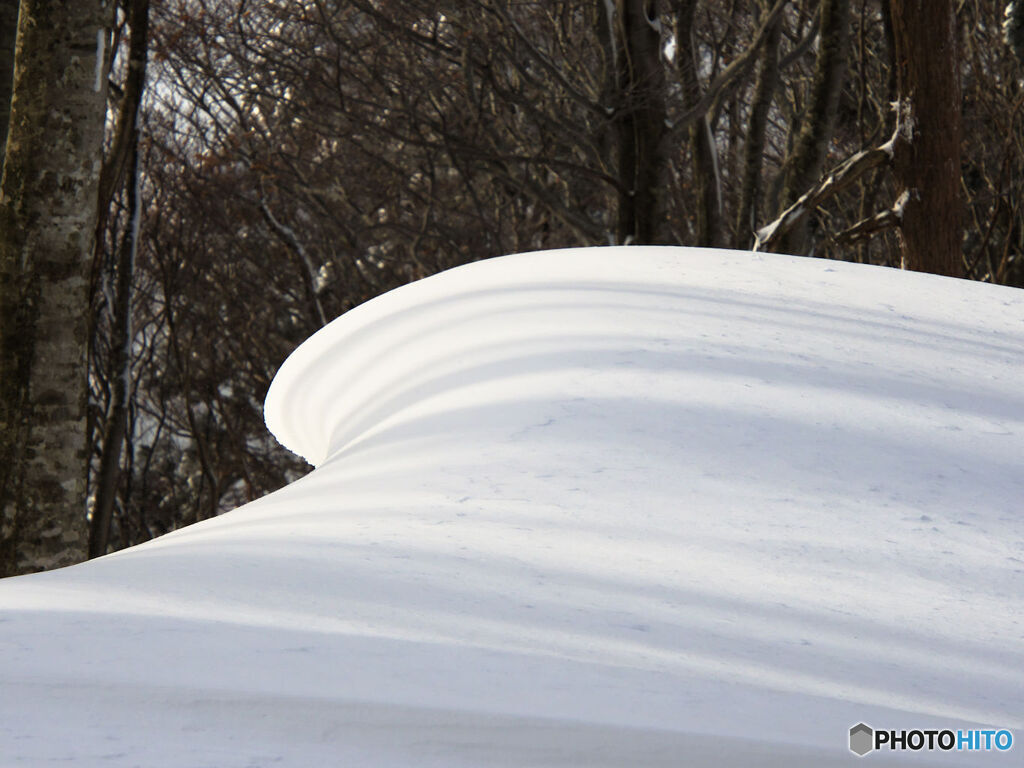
(811, 150)
(8, 27)
(641, 124)
(47, 220)
(112, 174)
(926, 156)
(121, 327)
(707, 179)
(764, 91)
(121, 338)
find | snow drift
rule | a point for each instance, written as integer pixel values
(593, 507)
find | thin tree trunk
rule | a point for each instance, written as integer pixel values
(117, 415)
(811, 150)
(47, 220)
(706, 177)
(641, 124)
(764, 92)
(926, 157)
(121, 327)
(112, 174)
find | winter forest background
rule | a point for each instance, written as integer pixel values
(267, 166)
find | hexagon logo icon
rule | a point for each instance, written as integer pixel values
(861, 739)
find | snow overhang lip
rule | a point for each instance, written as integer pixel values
(302, 406)
(307, 401)
(322, 394)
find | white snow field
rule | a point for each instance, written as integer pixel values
(593, 507)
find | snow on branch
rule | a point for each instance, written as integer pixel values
(287, 235)
(835, 181)
(1013, 27)
(887, 219)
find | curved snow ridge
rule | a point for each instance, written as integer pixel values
(492, 319)
(771, 468)
(713, 507)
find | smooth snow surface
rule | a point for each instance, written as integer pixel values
(597, 507)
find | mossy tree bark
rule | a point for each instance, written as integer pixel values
(48, 208)
(8, 25)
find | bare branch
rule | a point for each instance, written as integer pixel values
(728, 77)
(287, 236)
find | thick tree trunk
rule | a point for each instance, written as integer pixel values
(47, 218)
(641, 124)
(811, 150)
(926, 155)
(8, 26)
